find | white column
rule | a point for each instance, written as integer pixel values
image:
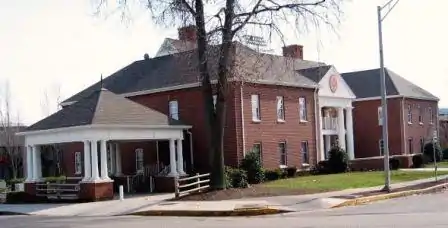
(38, 163)
(321, 136)
(341, 128)
(29, 164)
(117, 160)
(173, 171)
(104, 171)
(350, 136)
(94, 154)
(180, 158)
(35, 167)
(87, 165)
(327, 143)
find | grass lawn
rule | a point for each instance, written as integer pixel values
(347, 180)
(443, 164)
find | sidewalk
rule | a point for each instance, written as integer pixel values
(158, 204)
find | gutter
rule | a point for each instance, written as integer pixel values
(243, 132)
(317, 124)
(191, 149)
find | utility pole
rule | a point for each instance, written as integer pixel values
(385, 130)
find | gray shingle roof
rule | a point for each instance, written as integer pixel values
(315, 73)
(181, 68)
(366, 84)
(105, 108)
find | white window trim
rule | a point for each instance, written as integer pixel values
(303, 108)
(380, 116)
(174, 114)
(255, 105)
(431, 116)
(420, 115)
(137, 151)
(409, 116)
(307, 152)
(215, 98)
(78, 161)
(280, 106)
(281, 155)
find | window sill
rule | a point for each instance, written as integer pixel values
(280, 121)
(410, 123)
(78, 173)
(303, 121)
(420, 123)
(283, 166)
(256, 121)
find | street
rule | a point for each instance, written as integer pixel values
(414, 211)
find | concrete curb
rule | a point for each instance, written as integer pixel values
(192, 213)
(367, 199)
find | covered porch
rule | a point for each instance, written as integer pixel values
(95, 131)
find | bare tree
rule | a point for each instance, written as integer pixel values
(9, 142)
(223, 22)
(52, 154)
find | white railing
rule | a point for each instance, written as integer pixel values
(197, 186)
(57, 191)
(329, 123)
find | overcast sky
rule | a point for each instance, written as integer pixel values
(49, 43)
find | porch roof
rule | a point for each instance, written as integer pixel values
(103, 115)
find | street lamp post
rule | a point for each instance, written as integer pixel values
(385, 130)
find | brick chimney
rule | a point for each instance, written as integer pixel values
(187, 33)
(294, 51)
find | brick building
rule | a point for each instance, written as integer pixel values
(412, 114)
(288, 109)
(443, 124)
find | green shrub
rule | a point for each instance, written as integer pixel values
(291, 171)
(236, 178)
(394, 163)
(252, 165)
(417, 161)
(429, 152)
(55, 179)
(272, 174)
(12, 182)
(321, 167)
(338, 161)
(445, 154)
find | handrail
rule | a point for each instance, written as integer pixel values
(178, 187)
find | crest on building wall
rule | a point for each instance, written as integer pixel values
(333, 83)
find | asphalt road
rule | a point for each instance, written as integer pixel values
(414, 211)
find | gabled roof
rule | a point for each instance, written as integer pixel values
(366, 84)
(315, 73)
(182, 68)
(103, 107)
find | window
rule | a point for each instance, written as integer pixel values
(215, 97)
(139, 160)
(280, 109)
(257, 149)
(302, 109)
(431, 116)
(422, 145)
(255, 100)
(410, 145)
(380, 116)
(381, 147)
(409, 113)
(283, 154)
(304, 150)
(420, 114)
(78, 163)
(174, 109)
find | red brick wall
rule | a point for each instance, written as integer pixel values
(270, 133)
(418, 131)
(68, 158)
(367, 132)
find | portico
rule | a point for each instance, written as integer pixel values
(108, 120)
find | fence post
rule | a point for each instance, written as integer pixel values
(198, 185)
(176, 186)
(121, 192)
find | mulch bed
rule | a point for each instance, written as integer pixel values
(251, 192)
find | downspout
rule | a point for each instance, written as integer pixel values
(317, 121)
(191, 148)
(243, 132)
(404, 125)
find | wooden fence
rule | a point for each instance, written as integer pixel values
(193, 184)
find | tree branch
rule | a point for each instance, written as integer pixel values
(278, 8)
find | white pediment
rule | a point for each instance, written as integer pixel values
(333, 85)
